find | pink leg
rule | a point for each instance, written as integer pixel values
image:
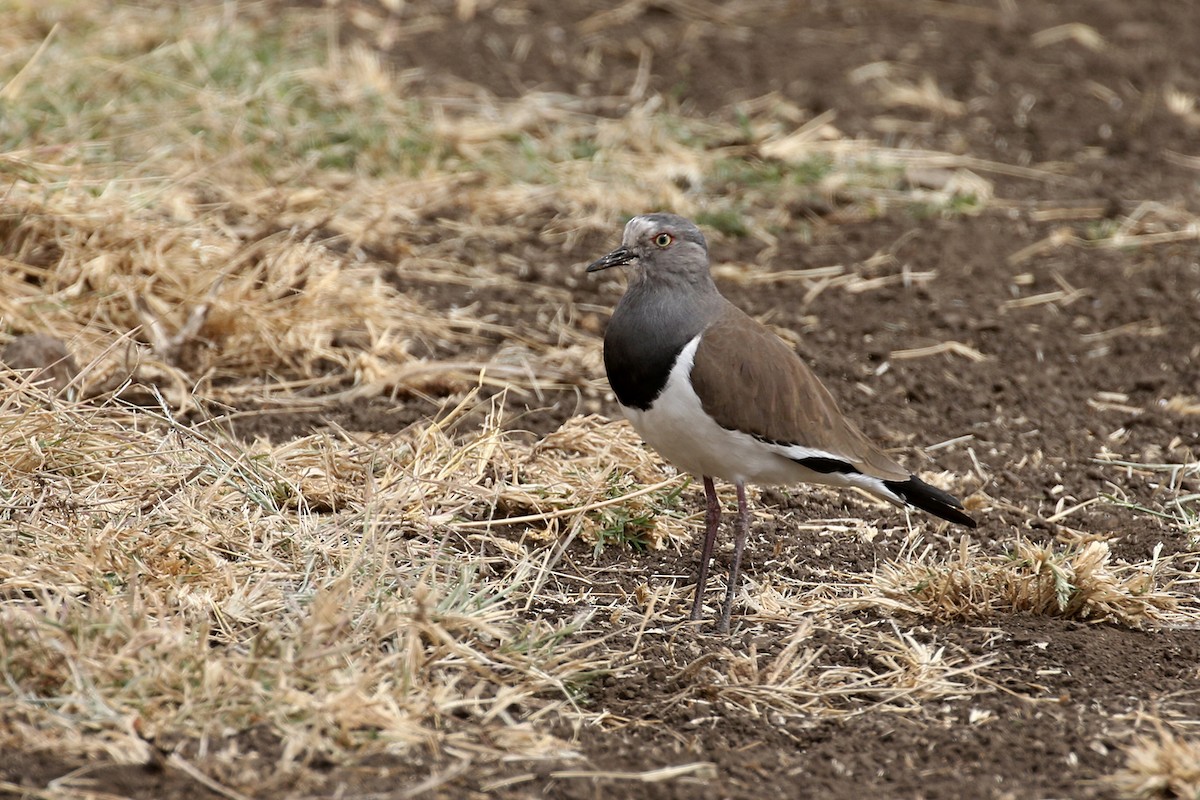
(712, 518)
(739, 544)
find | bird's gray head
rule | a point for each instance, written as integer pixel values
(660, 248)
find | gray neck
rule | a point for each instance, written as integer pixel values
(651, 325)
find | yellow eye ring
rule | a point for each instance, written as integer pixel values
(664, 239)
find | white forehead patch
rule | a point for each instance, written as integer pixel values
(635, 228)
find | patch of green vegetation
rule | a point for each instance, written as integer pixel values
(461, 595)
(735, 175)
(683, 130)
(621, 526)
(624, 527)
(678, 92)
(956, 205)
(1182, 513)
(748, 173)
(745, 125)
(811, 170)
(584, 149)
(538, 642)
(578, 685)
(258, 90)
(1099, 229)
(728, 221)
(964, 204)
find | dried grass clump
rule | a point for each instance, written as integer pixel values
(158, 582)
(1077, 582)
(627, 497)
(1161, 767)
(592, 478)
(204, 306)
(863, 665)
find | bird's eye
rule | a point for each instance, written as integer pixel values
(664, 239)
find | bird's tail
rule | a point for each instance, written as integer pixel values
(920, 494)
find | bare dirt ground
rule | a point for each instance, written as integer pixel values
(1078, 373)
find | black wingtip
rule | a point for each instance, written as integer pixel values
(920, 494)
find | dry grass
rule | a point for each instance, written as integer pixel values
(1078, 582)
(1164, 766)
(189, 216)
(165, 584)
(193, 590)
(906, 671)
(1174, 482)
(221, 208)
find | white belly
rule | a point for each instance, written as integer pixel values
(677, 427)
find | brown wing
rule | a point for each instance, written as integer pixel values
(749, 380)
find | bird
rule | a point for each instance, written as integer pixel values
(720, 396)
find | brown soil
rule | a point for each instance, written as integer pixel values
(1033, 407)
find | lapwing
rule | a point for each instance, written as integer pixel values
(719, 395)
